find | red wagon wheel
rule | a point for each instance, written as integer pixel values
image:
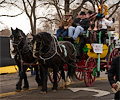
(51, 76)
(90, 71)
(113, 54)
(79, 73)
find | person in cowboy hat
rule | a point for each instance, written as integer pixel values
(64, 24)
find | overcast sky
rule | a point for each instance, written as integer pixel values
(22, 21)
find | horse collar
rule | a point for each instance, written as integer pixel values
(52, 51)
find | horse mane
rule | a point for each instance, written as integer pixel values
(47, 38)
(18, 30)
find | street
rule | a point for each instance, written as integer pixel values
(76, 91)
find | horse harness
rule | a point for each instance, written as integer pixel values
(26, 48)
(54, 45)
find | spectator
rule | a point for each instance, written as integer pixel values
(89, 14)
(79, 26)
(115, 70)
(64, 24)
(92, 28)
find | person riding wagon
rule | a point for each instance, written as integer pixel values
(64, 24)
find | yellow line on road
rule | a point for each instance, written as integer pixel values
(49, 86)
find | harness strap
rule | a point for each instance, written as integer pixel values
(44, 59)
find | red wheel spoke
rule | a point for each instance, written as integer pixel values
(51, 76)
(90, 65)
(79, 74)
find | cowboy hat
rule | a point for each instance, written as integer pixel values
(68, 14)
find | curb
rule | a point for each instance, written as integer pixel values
(8, 69)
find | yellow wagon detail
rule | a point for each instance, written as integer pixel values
(91, 53)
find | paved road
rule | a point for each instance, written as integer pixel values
(100, 90)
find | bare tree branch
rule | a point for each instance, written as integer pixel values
(114, 5)
(25, 9)
(29, 3)
(104, 1)
(93, 4)
(12, 15)
(48, 19)
(113, 11)
(85, 8)
(75, 11)
(13, 4)
(71, 1)
(2, 1)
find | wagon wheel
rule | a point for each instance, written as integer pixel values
(90, 71)
(51, 75)
(79, 73)
(113, 54)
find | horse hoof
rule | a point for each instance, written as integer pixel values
(62, 88)
(18, 90)
(39, 87)
(39, 84)
(67, 86)
(54, 90)
(25, 89)
(43, 92)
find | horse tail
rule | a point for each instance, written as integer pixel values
(71, 69)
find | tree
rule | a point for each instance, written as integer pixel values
(8, 5)
(67, 3)
(30, 7)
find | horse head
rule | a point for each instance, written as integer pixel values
(42, 43)
(18, 38)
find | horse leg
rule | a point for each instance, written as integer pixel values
(68, 81)
(26, 84)
(62, 86)
(19, 84)
(44, 77)
(70, 73)
(55, 85)
(38, 80)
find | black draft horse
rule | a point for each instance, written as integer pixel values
(53, 54)
(23, 50)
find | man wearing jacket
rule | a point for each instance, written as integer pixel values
(115, 70)
(79, 26)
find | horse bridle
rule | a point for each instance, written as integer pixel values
(15, 43)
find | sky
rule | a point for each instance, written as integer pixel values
(20, 21)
